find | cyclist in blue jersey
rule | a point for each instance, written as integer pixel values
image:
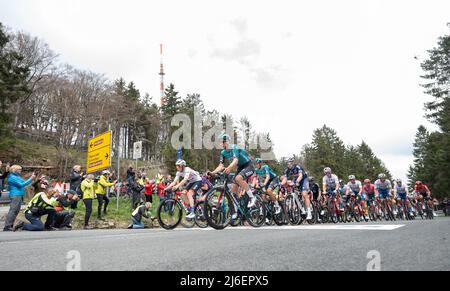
(297, 174)
(239, 158)
(383, 188)
(401, 193)
(271, 181)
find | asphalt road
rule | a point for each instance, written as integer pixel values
(405, 245)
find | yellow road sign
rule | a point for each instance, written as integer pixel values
(99, 141)
(99, 152)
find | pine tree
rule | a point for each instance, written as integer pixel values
(12, 78)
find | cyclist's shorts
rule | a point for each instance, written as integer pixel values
(246, 171)
(384, 194)
(401, 196)
(315, 196)
(363, 196)
(304, 185)
(275, 183)
(330, 192)
(347, 197)
(371, 197)
(195, 186)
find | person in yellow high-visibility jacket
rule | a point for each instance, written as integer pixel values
(102, 184)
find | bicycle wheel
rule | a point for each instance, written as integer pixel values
(293, 210)
(333, 214)
(324, 214)
(200, 219)
(256, 216)
(280, 218)
(169, 213)
(313, 213)
(217, 208)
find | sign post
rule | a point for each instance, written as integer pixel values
(137, 151)
(99, 152)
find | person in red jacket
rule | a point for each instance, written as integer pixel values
(148, 190)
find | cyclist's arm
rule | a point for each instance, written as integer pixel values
(175, 181)
(233, 164)
(182, 183)
(300, 177)
(324, 186)
(266, 181)
(219, 169)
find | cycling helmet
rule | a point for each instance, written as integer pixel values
(258, 161)
(381, 176)
(105, 172)
(351, 177)
(290, 160)
(341, 182)
(225, 137)
(312, 179)
(327, 170)
(398, 180)
(180, 163)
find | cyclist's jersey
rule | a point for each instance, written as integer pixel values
(422, 190)
(401, 190)
(331, 181)
(342, 189)
(314, 188)
(205, 181)
(383, 186)
(293, 173)
(191, 175)
(355, 187)
(233, 152)
(264, 170)
(369, 190)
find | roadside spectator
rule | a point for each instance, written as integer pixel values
(41, 204)
(3, 176)
(63, 217)
(136, 216)
(136, 190)
(130, 174)
(16, 192)
(76, 177)
(148, 191)
(102, 184)
(87, 187)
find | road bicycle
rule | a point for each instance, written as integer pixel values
(220, 204)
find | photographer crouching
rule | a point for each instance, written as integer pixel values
(41, 204)
(64, 215)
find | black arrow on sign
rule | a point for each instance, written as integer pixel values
(91, 145)
(106, 156)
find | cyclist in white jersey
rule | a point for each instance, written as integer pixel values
(330, 182)
(192, 179)
(355, 187)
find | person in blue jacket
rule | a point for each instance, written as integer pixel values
(16, 192)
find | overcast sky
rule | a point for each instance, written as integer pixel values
(290, 66)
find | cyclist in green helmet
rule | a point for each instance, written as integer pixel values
(239, 159)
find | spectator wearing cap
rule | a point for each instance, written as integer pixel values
(16, 192)
(64, 215)
(102, 184)
(87, 186)
(76, 177)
